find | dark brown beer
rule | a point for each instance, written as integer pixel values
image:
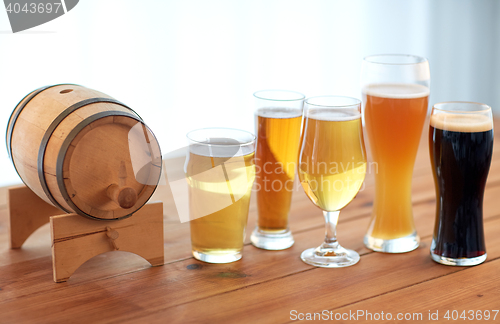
(461, 147)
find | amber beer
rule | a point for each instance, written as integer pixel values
(394, 116)
(332, 161)
(461, 146)
(278, 118)
(219, 195)
(278, 135)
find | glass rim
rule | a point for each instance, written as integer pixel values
(358, 102)
(299, 98)
(485, 107)
(419, 59)
(249, 142)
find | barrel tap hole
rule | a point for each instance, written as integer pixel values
(65, 91)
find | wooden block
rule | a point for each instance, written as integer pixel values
(27, 212)
(76, 239)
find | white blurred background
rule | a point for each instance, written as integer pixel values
(189, 64)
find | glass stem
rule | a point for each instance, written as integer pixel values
(331, 220)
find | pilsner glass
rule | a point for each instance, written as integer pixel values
(278, 117)
(461, 146)
(332, 167)
(220, 172)
(395, 97)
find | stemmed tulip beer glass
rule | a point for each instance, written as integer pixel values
(332, 167)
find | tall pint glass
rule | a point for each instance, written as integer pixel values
(278, 117)
(461, 146)
(395, 100)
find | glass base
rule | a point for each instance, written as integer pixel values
(463, 262)
(330, 258)
(217, 258)
(272, 241)
(399, 245)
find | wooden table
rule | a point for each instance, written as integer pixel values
(265, 286)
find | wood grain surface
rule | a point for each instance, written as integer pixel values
(265, 286)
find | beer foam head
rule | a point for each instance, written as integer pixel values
(279, 112)
(465, 123)
(332, 114)
(396, 90)
(221, 150)
(221, 142)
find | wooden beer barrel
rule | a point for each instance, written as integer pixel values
(83, 151)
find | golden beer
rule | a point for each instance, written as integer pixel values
(394, 115)
(332, 166)
(278, 135)
(219, 197)
(332, 163)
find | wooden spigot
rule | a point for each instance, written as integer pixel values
(124, 196)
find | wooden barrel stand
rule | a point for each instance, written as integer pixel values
(76, 239)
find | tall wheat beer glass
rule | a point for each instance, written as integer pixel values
(332, 167)
(278, 117)
(395, 100)
(220, 173)
(461, 146)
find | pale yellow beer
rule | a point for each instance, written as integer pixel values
(332, 167)
(278, 135)
(332, 162)
(219, 202)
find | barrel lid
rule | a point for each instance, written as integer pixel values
(110, 150)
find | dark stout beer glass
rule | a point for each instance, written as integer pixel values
(461, 145)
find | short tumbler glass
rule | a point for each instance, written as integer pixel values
(220, 173)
